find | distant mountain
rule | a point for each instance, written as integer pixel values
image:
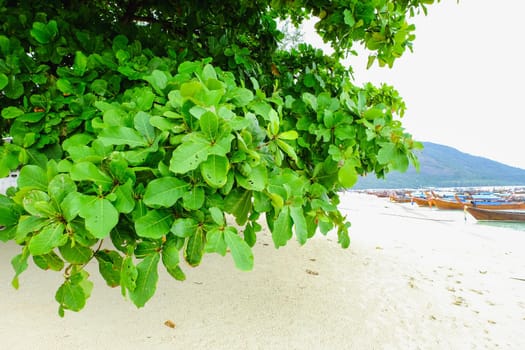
(443, 166)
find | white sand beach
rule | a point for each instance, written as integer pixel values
(413, 278)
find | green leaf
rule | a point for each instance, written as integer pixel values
(249, 234)
(110, 266)
(60, 186)
(154, 224)
(373, 113)
(209, 123)
(75, 254)
(101, 216)
(289, 150)
(14, 88)
(164, 192)
(9, 214)
(170, 256)
(256, 180)
(44, 33)
(146, 282)
(87, 171)
(241, 251)
(288, 135)
(282, 228)
(28, 224)
(128, 275)
(347, 175)
(80, 63)
(240, 96)
(189, 155)
(142, 124)
(50, 237)
(193, 199)
(215, 242)
(158, 79)
(11, 112)
(147, 247)
(125, 203)
(215, 171)
(217, 216)
(32, 176)
(38, 203)
(50, 261)
(65, 86)
(74, 292)
(299, 221)
(239, 203)
(70, 205)
(19, 263)
(184, 227)
(195, 248)
(121, 135)
(3, 81)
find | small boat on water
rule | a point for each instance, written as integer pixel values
(496, 215)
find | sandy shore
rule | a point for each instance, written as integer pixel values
(413, 278)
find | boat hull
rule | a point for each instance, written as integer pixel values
(496, 215)
(456, 205)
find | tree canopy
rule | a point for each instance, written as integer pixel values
(138, 125)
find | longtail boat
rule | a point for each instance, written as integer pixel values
(400, 199)
(460, 205)
(423, 202)
(496, 215)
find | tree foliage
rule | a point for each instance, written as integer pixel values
(138, 125)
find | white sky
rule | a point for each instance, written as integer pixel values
(463, 84)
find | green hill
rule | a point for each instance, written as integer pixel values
(443, 166)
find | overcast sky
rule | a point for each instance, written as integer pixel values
(463, 84)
